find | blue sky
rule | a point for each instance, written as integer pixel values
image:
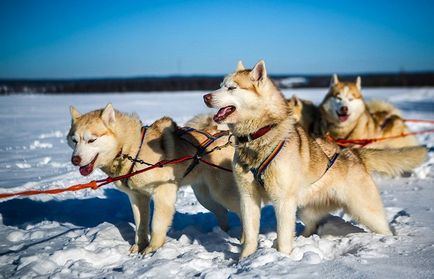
(104, 38)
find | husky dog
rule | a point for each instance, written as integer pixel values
(100, 139)
(297, 171)
(345, 115)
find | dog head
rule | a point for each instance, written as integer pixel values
(344, 102)
(92, 139)
(242, 93)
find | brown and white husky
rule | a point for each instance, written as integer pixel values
(99, 139)
(298, 172)
(344, 114)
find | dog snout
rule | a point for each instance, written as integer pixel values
(344, 110)
(207, 99)
(76, 160)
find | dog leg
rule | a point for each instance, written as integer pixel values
(285, 209)
(204, 197)
(140, 206)
(310, 217)
(367, 208)
(164, 208)
(250, 216)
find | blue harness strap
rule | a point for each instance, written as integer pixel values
(332, 160)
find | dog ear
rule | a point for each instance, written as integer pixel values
(359, 82)
(74, 113)
(295, 100)
(108, 115)
(334, 80)
(240, 66)
(259, 72)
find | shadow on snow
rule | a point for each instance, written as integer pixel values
(115, 209)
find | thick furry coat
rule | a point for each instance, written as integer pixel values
(100, 139)
(345, 115)
(298, 176)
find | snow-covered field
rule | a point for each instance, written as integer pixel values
(88, 233)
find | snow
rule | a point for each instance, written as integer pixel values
(88, 233)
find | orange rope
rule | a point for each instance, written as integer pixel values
(93, 185)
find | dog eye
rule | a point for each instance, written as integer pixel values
(232, 88)
(91, 140)
(74, 141)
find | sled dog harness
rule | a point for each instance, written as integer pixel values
(258, 173)
(143, 130)
(201, 149)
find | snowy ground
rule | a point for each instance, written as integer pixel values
(88, 233)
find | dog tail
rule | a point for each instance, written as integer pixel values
(393, 161)
(376, 106)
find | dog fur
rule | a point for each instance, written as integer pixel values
(100, 135)
(345, 115)
(296, 178)
(304, 112)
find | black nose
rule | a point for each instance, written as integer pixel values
(207, 99)
(344, 109)
(76, 160)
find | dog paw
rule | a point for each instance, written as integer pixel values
(150, 249)
(137, 248)
(134, 249)
(247, 251)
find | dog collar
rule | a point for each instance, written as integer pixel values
(259, 133)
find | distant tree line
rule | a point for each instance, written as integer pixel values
(194, 83)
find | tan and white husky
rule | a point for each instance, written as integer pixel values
(100, 139)
(299, 174)
(346, 115)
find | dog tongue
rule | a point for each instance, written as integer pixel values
(343, 118)
(223, 113)
(86, 170)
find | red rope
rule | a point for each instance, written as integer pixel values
(419, 121)
(95, 184)
(364, 142)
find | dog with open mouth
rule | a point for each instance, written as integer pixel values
(103, 138)
(276, 159)
(344, 114)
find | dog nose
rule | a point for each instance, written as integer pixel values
(344, 109)
(76, 160)
(207, 99)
